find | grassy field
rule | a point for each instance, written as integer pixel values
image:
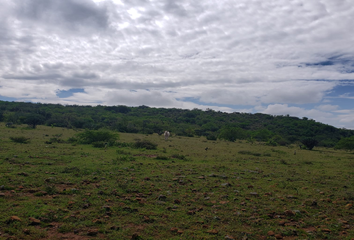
(233, 190)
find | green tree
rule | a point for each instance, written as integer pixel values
(34, 120)
(91, 136)
(346, 143)
(309, 143)
(232, 133)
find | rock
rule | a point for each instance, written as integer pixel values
(271, 233)
(15, 218)
(92, 232)
(2, 194)
(228, 237)
(162, 197)
(107, 208)
(177, 201)
(254, 194)
(226, 184)
(282, 222)
(278, 236)
(34, 221)
(289, 213)
(213, 231)
(135, 236)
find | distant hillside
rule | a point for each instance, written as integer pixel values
(230, 126)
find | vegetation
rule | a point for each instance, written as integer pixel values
(309, 143)
(94, 136)
(184, 188)
(346, 143)
(273, 130)
(20, 139)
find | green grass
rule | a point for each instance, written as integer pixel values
(177, 191)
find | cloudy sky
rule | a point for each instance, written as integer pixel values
(277, 57)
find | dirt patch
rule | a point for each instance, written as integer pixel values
(145, 155)
(52, 233)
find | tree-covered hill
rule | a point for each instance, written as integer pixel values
(143, 119)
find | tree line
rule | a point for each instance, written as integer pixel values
(273, 130)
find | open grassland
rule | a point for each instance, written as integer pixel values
(232, 190)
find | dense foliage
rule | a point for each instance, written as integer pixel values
(346, 143)
(274, 130)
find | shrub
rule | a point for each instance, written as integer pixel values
(309, 143)
(91, 136)
(179, 156)
(145, 144)
(346, 143)
(124, 144)
(211, 137)
(20, 139)
(162, 158)
(99, 144)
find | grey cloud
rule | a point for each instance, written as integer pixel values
(33, 77)
(86, 75)
(72, 15)
(174, 8)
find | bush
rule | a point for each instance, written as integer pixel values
(179, 156)
(309, 143)
(211, 137)
(99, 144)
(20, 139)
(346, 143)
(91, 136)
(145, 144)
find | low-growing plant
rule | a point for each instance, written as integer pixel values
(179, 156)
(161, 157)
(145, 144)
(91, 136)
(124, 144)
(20, 139)
(123, 152)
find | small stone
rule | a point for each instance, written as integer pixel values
(278, 236)
(15, 218)
(289, 213)
(226, 184)
(254, 194)
(162, 197)
(92, 232)
(34, 221)
(135, 236)
(282, 222)
(2, 194)
(229, 237)
(271, 233)
(213, 231)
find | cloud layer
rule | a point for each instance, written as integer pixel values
(277, 57)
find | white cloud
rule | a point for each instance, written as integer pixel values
(222, 53)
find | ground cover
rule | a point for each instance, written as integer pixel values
(187, 188)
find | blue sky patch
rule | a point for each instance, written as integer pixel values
(9, 99)
(69, 93)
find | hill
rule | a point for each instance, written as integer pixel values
(275, 130)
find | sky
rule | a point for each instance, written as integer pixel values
(278, 57)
